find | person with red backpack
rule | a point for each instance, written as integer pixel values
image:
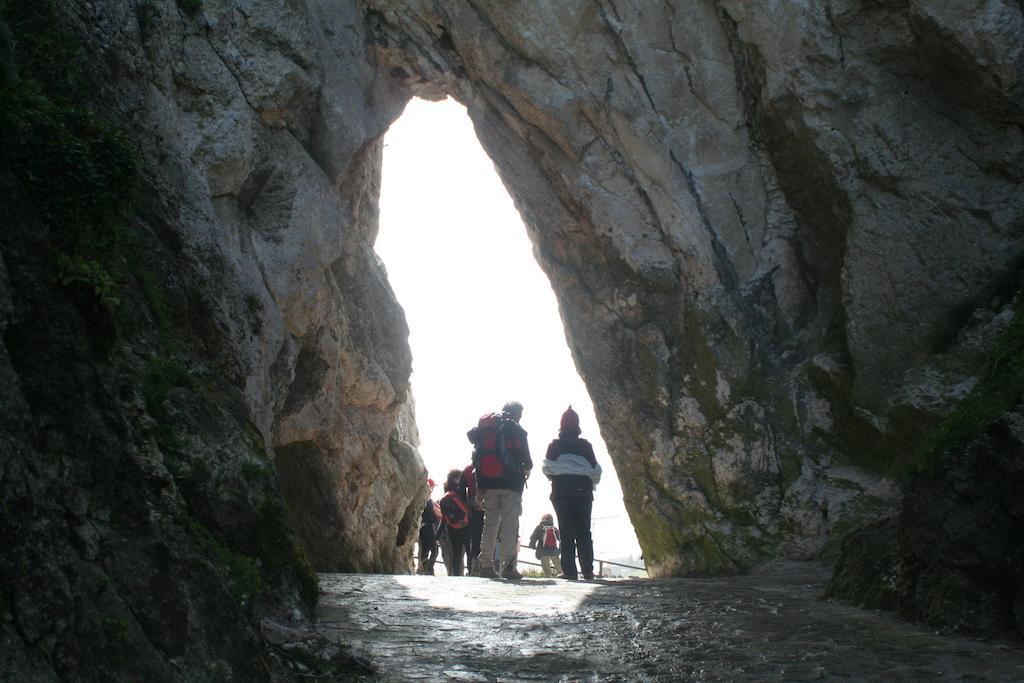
(572, 467)
(545, 539)
(501, 458)
(455, 513)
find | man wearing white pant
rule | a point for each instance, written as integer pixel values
(502, 459)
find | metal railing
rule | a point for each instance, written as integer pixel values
(600, 565)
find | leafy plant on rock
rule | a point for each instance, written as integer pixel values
(78, 170)
(92, 275)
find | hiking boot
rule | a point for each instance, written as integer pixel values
(487, 573)
(511, 574)
(567, 578)
(588, 577)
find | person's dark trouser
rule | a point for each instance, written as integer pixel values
(574, 524)
(476, 532)
(428, 549)
(445, 544)
(460, 541)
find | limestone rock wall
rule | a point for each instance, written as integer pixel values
(780, 234)
(260, 125)
(248, 386)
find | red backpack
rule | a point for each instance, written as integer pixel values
(454, 510)
(550, 539)
(490, 452)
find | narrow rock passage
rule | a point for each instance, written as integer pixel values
(766, 626)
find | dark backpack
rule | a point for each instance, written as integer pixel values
(492, 439)
(550, 539)
(467, 485)
(454, 511)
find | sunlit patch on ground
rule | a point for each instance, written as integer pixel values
(529, 596)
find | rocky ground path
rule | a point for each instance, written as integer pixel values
(765, 626)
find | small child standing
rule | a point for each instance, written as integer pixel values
(545, 539)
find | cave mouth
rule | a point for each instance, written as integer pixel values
(483, 319)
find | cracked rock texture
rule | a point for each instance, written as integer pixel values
(782, 236)
(251, 389)
(262, 123)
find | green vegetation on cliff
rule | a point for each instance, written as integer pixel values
(165, 542)
(78, 169)
(1000, 389)
(953, 555)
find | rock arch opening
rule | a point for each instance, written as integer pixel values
(484, 324)
(782, 259)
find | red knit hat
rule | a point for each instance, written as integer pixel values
(570, 421)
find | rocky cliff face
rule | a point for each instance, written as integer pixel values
(262, 129)
(782, 236)
(206, 385)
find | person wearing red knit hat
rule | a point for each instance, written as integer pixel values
(572, 467)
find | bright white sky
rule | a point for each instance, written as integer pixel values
(483, 320)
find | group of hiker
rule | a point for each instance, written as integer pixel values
(477, 518)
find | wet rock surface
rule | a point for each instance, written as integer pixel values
(769, 625)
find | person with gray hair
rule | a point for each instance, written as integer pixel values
(501, 457)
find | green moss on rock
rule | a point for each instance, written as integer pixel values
(160, 376)
(78, 169)
(280, 555)
(246, 579)
(1000, 388)
(954, 557)
(679, 538)
(866, 573)
(862, 510)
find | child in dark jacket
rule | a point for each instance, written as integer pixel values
(545, 539)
